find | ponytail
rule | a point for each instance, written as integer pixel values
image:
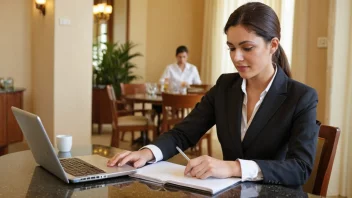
(280, 59)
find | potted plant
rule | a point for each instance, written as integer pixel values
(114, 66)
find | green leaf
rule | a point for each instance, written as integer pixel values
(114, 66)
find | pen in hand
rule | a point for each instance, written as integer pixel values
(182, 153)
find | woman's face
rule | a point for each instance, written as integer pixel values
(182, 58)
(250, 54)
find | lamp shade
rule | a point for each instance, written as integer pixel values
(108, 9)
(40, 2)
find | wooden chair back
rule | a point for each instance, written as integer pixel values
(131, 89)
(174, 106)
(327, 144)
(113, 105)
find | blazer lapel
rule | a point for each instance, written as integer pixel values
(234, 112)
(271, 103)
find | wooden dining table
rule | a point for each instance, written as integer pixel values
(157, 98)
(145, 98)
(151, 99)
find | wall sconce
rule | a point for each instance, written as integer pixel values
(102, 11)
(40, 5)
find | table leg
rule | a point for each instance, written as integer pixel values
(143, 140)
(3, 150)
(99, 128)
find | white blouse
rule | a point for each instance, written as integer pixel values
(176, 76)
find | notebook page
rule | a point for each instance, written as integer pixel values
(159, 172)
(173, 173)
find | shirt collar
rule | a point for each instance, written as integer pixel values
(244, 86)
(186, 67)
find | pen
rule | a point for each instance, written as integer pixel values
(182, 153)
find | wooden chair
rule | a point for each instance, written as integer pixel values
(327, 144)
(173, 112)
(132, 89)
(127, 122)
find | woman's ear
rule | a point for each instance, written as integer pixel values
(274, 45)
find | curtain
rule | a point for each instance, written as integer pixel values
(212, 34)
(339, 93)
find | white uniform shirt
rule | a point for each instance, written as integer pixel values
(176, 76)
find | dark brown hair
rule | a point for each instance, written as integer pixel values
(263, 21)
(181, 49)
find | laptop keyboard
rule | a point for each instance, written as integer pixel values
(78, 167)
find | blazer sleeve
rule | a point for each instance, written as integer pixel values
(191, 129)
(298, 164)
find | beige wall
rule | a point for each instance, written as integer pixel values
(73, 70)
(171, 24)
(309, 63)
(15, 53)
(159, 27)
(138, 35)
(62, 68)
(300, 33)
(317, 57)
(120, 20)
(43, 65)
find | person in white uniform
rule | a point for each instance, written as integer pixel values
(181, 73)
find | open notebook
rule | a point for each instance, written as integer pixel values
(170, 173)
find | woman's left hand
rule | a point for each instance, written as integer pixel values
(205, 166)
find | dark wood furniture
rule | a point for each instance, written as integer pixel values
(327, 145)
(200, 89)
(174, 107)
(157, 100)
(127, 121)
(10, 132)
(101, 113)
(135, 89)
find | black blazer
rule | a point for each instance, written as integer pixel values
(281, 139)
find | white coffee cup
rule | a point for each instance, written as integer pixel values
(64, 142)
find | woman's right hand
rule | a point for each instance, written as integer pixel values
(137, 158)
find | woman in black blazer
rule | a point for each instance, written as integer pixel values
(266, 122)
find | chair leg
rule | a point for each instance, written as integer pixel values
(158, 124)
(123, 136)
(132, 138)
(209, 145)
(99, 128)
(115, 138)
(132, 135)
(155, 133)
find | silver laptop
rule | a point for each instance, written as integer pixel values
(74, 170)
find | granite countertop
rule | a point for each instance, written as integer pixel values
(16, 89)
(22, 177)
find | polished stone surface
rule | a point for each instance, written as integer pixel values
(22, 177)
(17, 89)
